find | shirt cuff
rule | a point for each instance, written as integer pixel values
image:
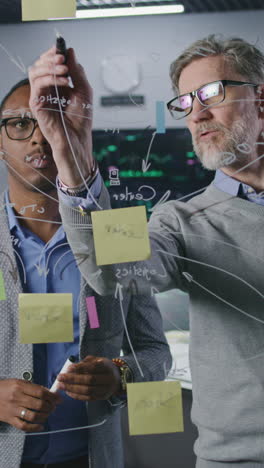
(87, 202)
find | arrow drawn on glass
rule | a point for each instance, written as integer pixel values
(17, 61)
(42, 270)
(133, 288)
(163, 199)
(154, 291)
(81, 257)
(45, 269)
(13, 271)
(145, 163)
(119, 295)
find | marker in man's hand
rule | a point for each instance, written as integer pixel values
(64, 369)
(61, 47)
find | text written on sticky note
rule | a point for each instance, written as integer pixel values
(45, 318)
(154, 408)
(121, 235)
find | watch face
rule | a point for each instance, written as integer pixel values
(120, 73)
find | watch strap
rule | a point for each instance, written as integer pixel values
(124, 369)
(80, 190)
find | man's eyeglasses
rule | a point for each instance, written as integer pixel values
(209, 94)
(19, 128)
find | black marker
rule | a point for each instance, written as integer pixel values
(61, 46)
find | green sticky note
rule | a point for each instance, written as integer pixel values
(37, 10)
(2, 287)
(45, 318)
(121, 235)
(154, 407)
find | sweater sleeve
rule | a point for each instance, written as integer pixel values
(162, 271)
(144, 323)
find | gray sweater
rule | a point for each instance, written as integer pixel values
(212, 247)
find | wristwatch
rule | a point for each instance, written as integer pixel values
(125, 373)
(80, 190)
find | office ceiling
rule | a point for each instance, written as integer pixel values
(10, 10)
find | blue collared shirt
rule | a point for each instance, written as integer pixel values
(236, 188)
(51, 268)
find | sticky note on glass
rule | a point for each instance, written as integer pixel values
(37, 10)
(92, 312)
(154, 408)
(45, 318)
(121, 235)
(2, 287)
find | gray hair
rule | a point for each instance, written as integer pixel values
(245, 58)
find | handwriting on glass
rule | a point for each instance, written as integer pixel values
(23, 209)
(63, 101)
(40, 210)
(128, 196)
(15, 240)
(113, 130)
(139, 271)
(21, 112)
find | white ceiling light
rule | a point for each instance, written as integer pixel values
(127, 11)
(130, 11)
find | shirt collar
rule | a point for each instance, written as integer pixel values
(14, 224)
(234, 187)
(12, 220)
(228, 184)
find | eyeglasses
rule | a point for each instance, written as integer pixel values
(209, 94)
(19, 128)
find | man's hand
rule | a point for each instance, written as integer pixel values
(94, 378)
(37, 402)
(74, 143)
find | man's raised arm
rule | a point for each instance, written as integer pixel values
(66, 123)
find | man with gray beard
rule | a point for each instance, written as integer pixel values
(220, 139)
(211, 247)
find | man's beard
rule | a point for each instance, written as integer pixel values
(223, 148)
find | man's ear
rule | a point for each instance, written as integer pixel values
(260, 100)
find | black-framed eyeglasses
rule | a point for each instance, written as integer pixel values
(19, 128)
(209, 94)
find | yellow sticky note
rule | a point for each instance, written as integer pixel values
(37, 10)
(154, 407)
(121, 235)
(45, 318)
(2, 287)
